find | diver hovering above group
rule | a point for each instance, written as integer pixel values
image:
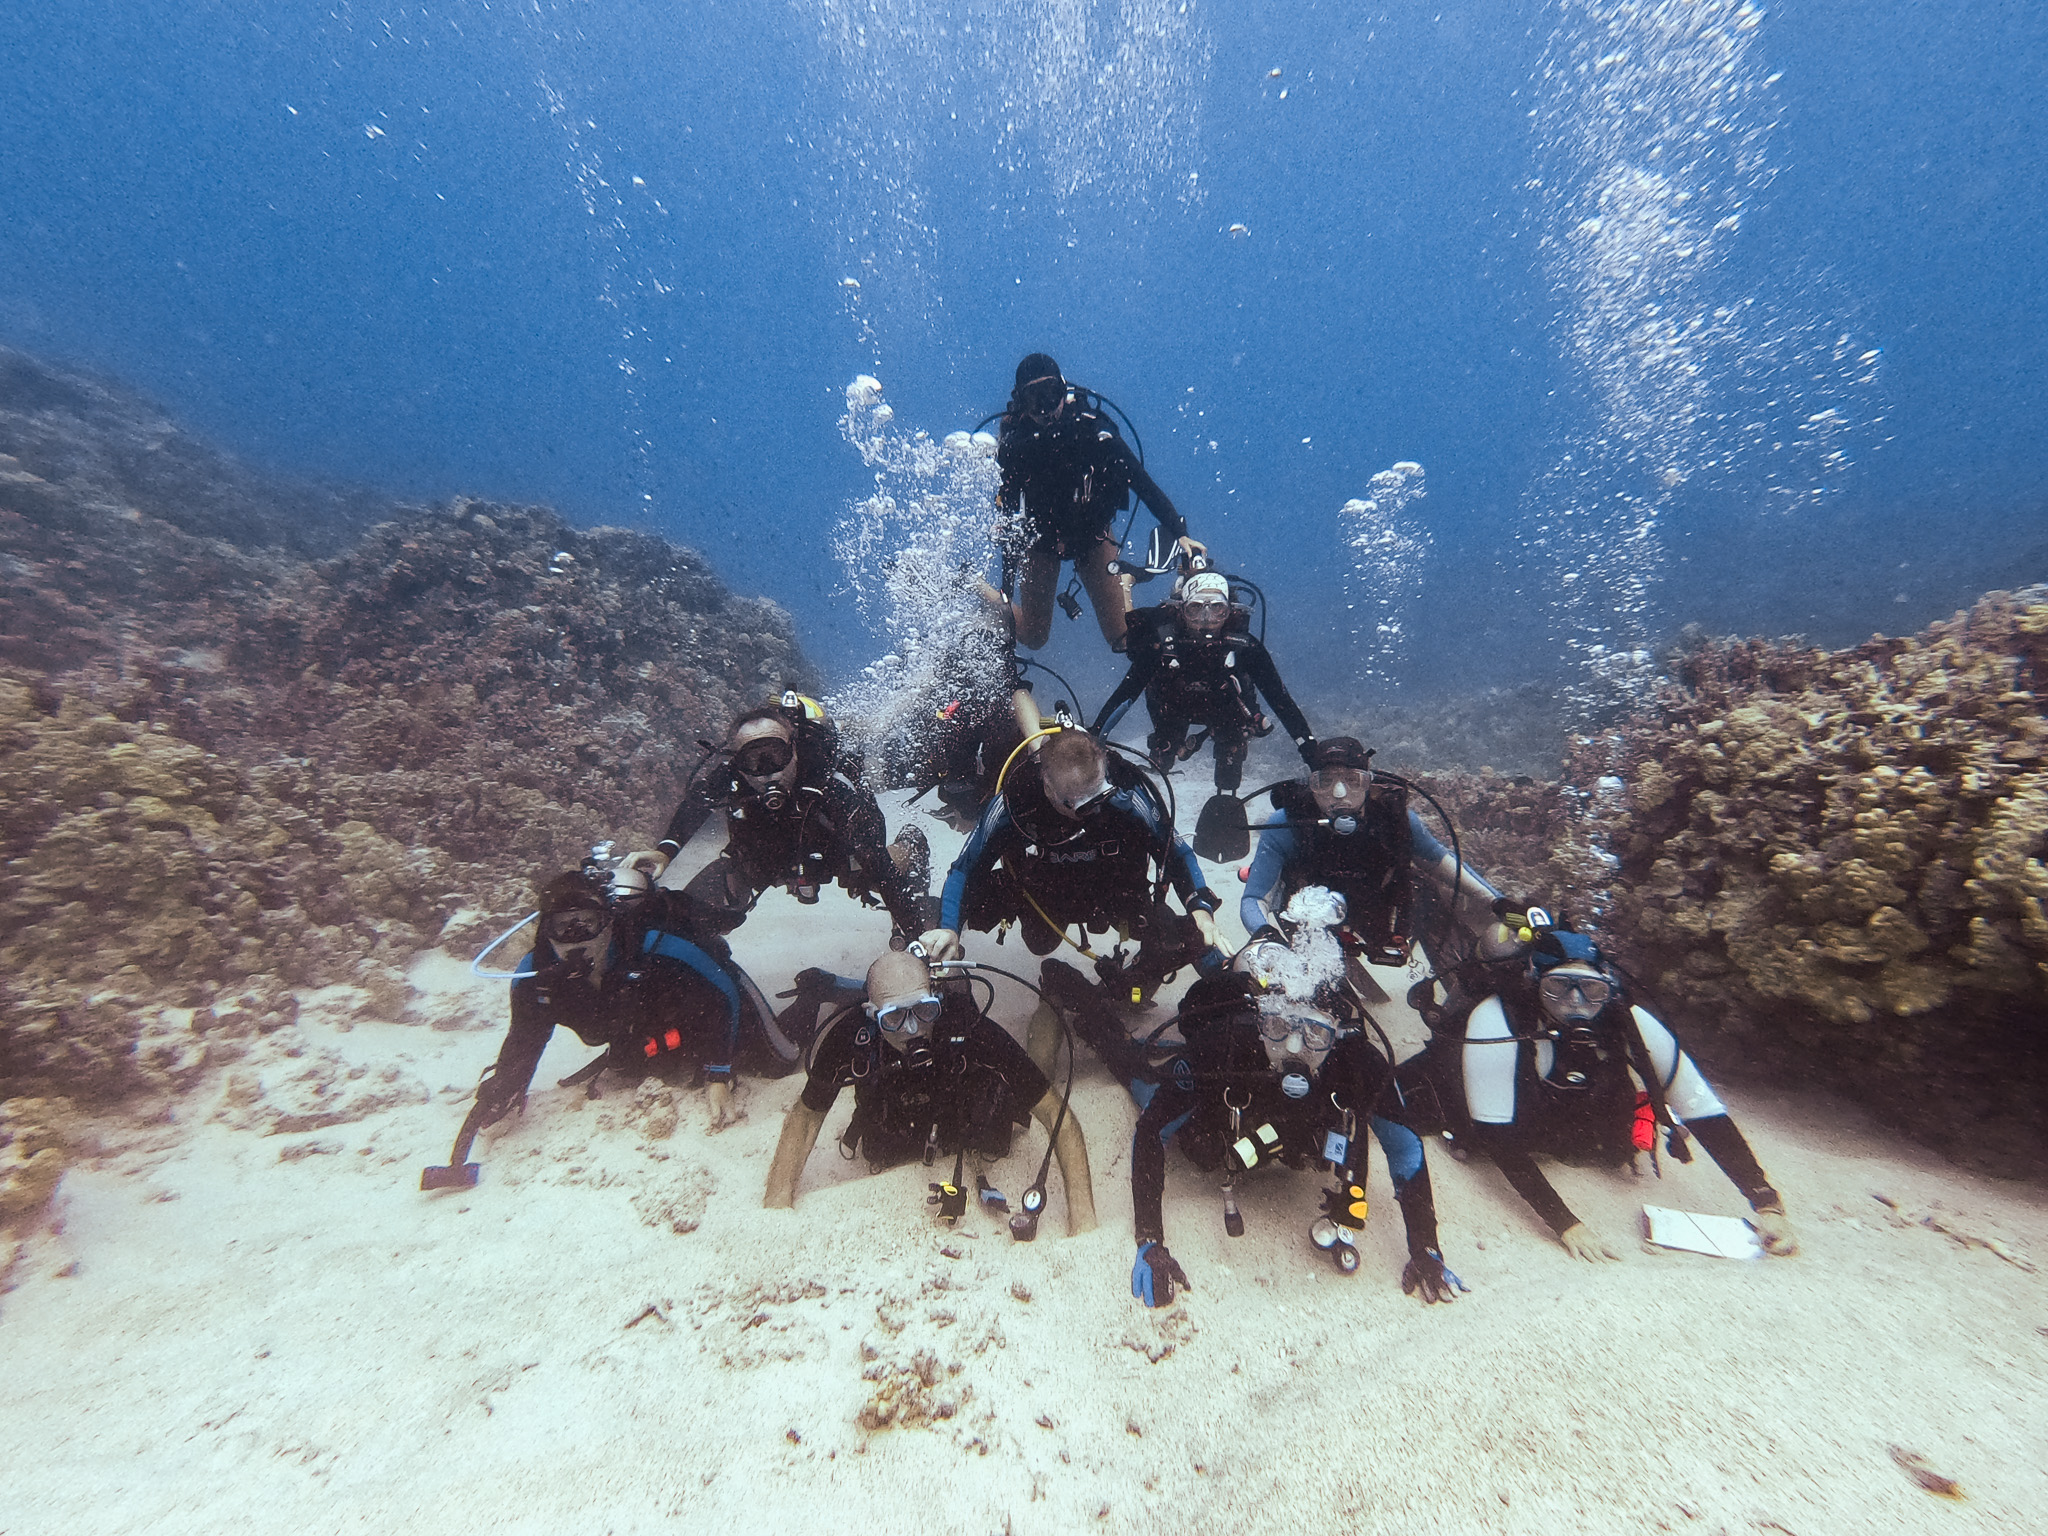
(1540, 1045)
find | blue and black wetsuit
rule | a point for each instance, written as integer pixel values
(1225, 1064)
(1025, 862)
(668, 1005)
(1380, 870)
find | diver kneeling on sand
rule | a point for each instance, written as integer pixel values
(1073, 838)
(932, 1076)
(797, 816)
(1277, 1068)
(626, 969)
(1543, 1052)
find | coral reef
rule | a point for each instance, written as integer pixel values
(1830, 867)
(1518, 730)
(33, 1155)
(1519, 832)
(230, 767)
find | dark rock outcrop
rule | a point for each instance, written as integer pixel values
(253, 735)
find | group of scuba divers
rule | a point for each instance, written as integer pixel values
(1540, 1044)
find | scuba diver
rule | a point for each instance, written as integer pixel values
(1277, 1069)
(1066, 473)
(1197, 663)
(795, 816)
(932, 1075)
(624, 968)
(973, 738)
(1350, 830)
(1072, 837)
(1553, 1058)
(957, 736)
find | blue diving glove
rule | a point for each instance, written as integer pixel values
(1155, 1274)
(1429, 1277)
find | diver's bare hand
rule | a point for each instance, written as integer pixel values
(1774, 1231)
(1580, 1243)
(941, 944)
(718, 1099)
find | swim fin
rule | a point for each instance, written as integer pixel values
(1223, 835)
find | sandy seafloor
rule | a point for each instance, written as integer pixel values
(215, 1329)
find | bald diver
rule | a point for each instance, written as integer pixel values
(932, 1076)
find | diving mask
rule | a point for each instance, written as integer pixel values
(1087, 803)
(574, 925)
(1042, 398)
(1574, 994)
(1345, 785)
(908, 1017)
(764, 757)
(1298, 1031)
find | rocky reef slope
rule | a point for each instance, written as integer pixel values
(1831, 868)
(258, 737)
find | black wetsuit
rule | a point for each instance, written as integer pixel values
(1070, 477)
(830, 829)
(963, 1085)
(1189, 681)
(1225, 1063)
(1595, 1094)
(1026, 862)
(960, 750)
(668, 1006)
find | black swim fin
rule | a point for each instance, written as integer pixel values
(1223, 835)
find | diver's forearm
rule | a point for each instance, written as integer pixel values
(800, 1129)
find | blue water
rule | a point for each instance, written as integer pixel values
(1787, 376)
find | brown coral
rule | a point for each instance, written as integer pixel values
(248, 739)
(1832, 866)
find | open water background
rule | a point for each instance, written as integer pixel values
(1704, 312)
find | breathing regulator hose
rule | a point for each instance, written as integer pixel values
(1024, 1225)
(476, 965)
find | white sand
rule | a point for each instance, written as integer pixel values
(210, 1332)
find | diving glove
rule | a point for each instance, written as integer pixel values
(1580, 1243)
(1427, 1276)
(1155, 1273)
